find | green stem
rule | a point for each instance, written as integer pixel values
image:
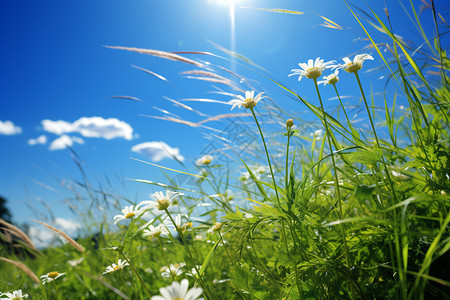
(402, 276)
(56, 290)
(226, 206)
(297, 280)
(344, 236)
(165, 259)
(135, 272)
(342, 105)
(287, 163)
(180, 232)
(267, 154)
(367, 108)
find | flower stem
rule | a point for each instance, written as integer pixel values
(402, 275)
(344, 236)
(287, 162)
(342, 105)
(135, 272)
(267, 154)
(165, 259)
(56, 290)
(367, 108)
(179, 230)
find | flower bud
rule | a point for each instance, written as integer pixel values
(289, 123)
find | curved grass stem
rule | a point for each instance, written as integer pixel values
(402, 272)
(267, 154)
(191, 257)
(135, 272)
(344, 236)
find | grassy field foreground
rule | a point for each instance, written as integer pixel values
(354, 212)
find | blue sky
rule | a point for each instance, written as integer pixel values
(55, 68)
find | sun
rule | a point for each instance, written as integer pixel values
(224, 2)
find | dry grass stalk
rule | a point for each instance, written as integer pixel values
(203, 73)
(151, 73)
(224, 116)
(6, 236)
(23, 267)
(19, 233)
(158, 53)
(127, 98)
(175, 120)
(216, 80)
(64, 235)
(177, 103)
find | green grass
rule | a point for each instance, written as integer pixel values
(351, 214)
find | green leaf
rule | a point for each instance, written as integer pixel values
(363, 192)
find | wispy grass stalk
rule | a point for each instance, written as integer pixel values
(191, 257)
(336, 179)
(135, 272)
(267, 155)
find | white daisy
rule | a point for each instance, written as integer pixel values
(355, 65)
(174, 269)
(75, 262)
(156, 231)
(311, 70)
(49, 277)
(15, 295)
(162, 202)
(178, 226)
(215, 227)
(128, 212)
(249, 101)
(193, 271)
(114, 268)
(204, 161)
(330, 79)
(179, 291)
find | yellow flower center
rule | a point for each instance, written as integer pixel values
(187, 225)
(333, 80)
(130, 215)
(207, 161)
(53, 275)
(313, 73)
(163, 204)
(353, 67)
(249, 103)
(177, 298)
(115, 268)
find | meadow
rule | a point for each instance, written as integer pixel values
(331, 208)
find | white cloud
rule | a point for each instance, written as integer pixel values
(91, 127)
(42, 140)
(43, 237)
(157, 151)
(65, 141)
(8, 128)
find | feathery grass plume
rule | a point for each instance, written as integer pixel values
(330, 24)
(279, 10)
(224, 116)
(175, 120)
(6, 236)
(158, 53)
(23, 267)
(151, 73)
(127, 98)
(178, 103)
(64, 235)
(203, 73)
(19, 233)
